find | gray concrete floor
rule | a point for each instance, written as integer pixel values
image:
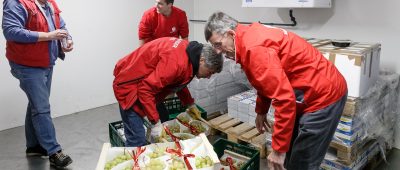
(82, 135)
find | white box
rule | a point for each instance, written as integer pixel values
(223, 77)
(243, 106)
(243, 117)
(287, 3)
(215, 108)
(359, 65)
(199, 84)
(201, 94)
(252, 109)
(208, 101)
(252, 120)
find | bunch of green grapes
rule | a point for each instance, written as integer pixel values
(198, 126)
(183, 136)
(158, 151)
(117, 160)
(129, 167)
(174, 128)
(202, 162)
(183, 118)
(155, 164)
(177, 165)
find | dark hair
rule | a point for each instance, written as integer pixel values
(169, 2)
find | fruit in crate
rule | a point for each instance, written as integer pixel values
(183, 118)
(236, 163)
(158, 151)
(184, 136)
(155, 164)
(202, 162)
(117, 160)
(198, 126)
(174, 128)
(177, 165)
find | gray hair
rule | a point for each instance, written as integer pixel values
(220, 23)
(213, 60)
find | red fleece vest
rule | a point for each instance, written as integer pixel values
(33, 54)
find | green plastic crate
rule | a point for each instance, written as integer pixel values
(173, 106)
(115, 138)
(253, 164)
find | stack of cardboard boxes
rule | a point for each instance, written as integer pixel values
(367, 123)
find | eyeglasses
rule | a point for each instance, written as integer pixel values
(218, 44)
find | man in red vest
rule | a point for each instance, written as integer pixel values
(36, 36)
(153, 71)
(163, 20)
(306, 90)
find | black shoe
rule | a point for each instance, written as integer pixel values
(60, 160)
(36, 151)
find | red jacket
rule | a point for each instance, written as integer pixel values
(282, 66)
(147, 75)
(154, 25)
(33, 54)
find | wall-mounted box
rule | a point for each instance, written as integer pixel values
(287, 3)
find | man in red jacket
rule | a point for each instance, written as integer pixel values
(163, 20)
(306, 90)
(150, 73)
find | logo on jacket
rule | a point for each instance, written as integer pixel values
(173, 29)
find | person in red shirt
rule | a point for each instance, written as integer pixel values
(163, 20)
(306, 90)
(150, 73)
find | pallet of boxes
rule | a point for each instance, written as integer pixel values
(239, 123)
(366, 128)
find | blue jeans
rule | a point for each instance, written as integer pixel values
(39, 128)
(133, 128)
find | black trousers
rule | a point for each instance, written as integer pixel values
(312, 135)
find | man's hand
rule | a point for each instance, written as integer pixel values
(58, 34)
(70, 46)
(53, 35)
(262, 123)
(194, 111)
(156, 131)
(276, 160)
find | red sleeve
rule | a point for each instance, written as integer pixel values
(185, 96)
(145, 30)
(270, 80)
(262, 104)
(164, 74)
(183, 26)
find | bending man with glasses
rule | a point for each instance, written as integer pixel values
(306, 90)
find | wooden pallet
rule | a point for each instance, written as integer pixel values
(238, 132)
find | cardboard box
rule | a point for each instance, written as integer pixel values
(358, 63)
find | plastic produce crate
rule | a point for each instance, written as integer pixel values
(253, 164)
(173, 106)
(115, 138)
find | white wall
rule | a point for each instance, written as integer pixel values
(358, 20)
(103, 32)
